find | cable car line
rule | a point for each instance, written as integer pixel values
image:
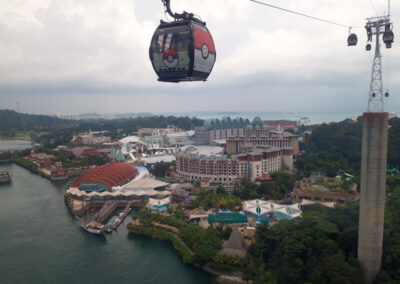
(373, 7)
(304, 15)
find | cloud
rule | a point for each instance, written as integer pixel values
(80, 49)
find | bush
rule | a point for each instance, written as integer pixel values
(205, 243)
(68, 199)
(30, 166)
(187, 257)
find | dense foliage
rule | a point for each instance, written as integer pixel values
(159, 168)
(319, 247)
(394, 143)
(129, 125)
(51, 131)
(11, 121)
(335, 146)
(221, 199)
(32, 167)
(391, 244)
(186, 255)
(278, 188)
(8, 156)
(331, 147)
(204, 243)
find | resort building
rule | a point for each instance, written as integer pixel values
(215, 129)
(230, 219)
(89, 138)
(230, 168)
(236, 145)
(105, 177)
(118, 181)
(42, 160)
(143, 132)
(178, 138)
(268, 211)
(159, 205)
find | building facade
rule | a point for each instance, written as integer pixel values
(228, 169)
(236, 145)
(42, 160)
(215, 129)
(240, 131)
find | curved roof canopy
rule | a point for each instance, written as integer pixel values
(106, 176)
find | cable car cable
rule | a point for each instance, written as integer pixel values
(304, 15)
(387, 70)
(373, 7)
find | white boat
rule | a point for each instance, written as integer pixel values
(92, 230)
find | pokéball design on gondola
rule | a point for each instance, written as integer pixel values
(204, 51)
(170, 58)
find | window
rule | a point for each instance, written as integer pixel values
(177, 38)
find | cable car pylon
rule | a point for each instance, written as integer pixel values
(378, 26)
(374, 158)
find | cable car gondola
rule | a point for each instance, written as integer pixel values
(182, 50)
(352, 40)
(388, 36)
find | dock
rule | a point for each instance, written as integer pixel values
(108, 208)
(122, 216)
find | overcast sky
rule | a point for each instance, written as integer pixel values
(79, 56)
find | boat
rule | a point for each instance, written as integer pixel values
(59, 174)
(93, 228)
(5, 177)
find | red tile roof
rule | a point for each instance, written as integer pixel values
(264, 177)
(111, 174)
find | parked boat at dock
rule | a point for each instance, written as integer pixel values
(59, 174)
(93, 228)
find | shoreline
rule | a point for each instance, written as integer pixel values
(220, 276)
(32, 167)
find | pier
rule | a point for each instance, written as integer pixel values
(108, 208)
(122, 216)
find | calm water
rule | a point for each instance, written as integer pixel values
(40, 242)
(6, 145)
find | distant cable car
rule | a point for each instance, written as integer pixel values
(388, 36)
(182, 50)
(352, 40)
(368, 47)
(387, 94)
